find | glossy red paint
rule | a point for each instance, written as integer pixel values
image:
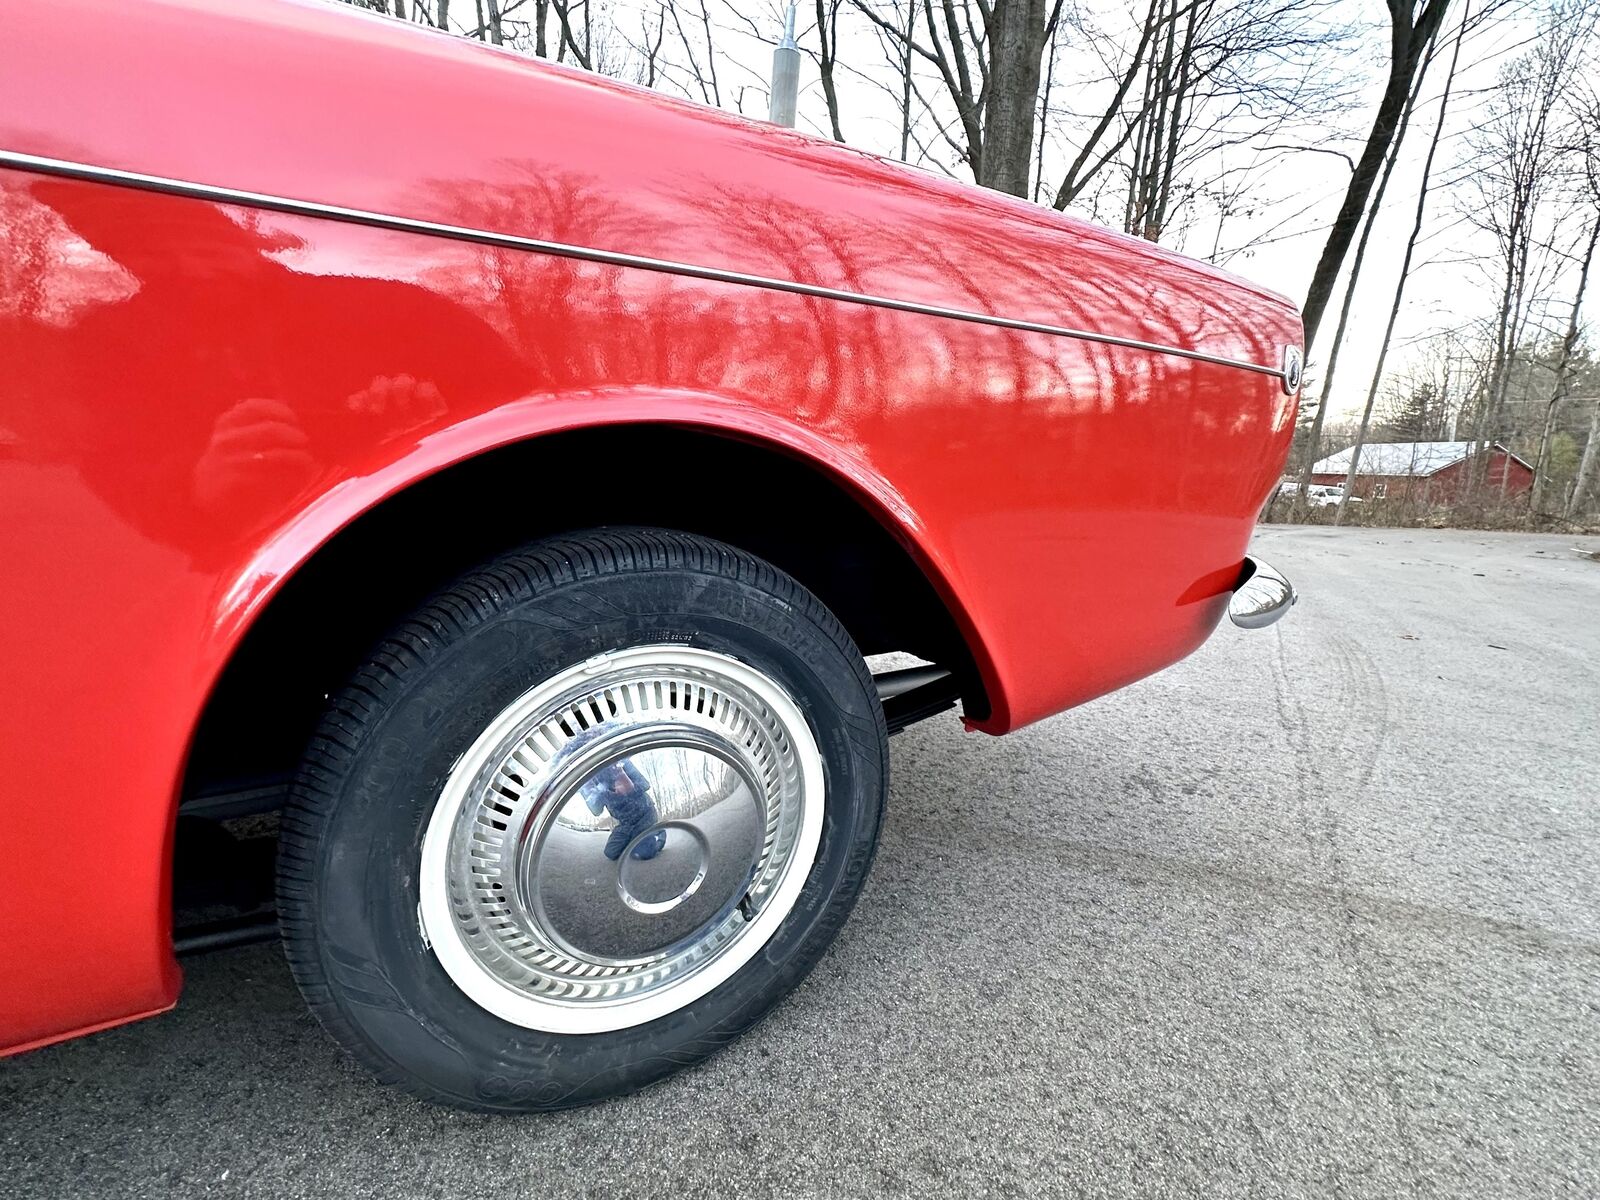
(198, 395)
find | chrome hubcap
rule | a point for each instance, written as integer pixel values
(621, 839)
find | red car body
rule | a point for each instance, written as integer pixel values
(240, 306)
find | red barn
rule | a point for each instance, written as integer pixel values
(1423, 470)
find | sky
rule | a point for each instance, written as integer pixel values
(1288, 193)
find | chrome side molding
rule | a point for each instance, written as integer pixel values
(1260, 597)
(69, 169)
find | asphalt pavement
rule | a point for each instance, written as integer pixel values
(1315, 913)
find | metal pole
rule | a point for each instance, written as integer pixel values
(785, 75)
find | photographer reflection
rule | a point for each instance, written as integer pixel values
(622, 790)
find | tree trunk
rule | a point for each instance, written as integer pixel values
(1153, 134)
(1588, 465)
(827, 36)
(1406, 42)
(1314, 440)
(1563, 372)
(567, 37)
(1405, 273)
(905, 82)
(1086, 165)
(1508, 330)
(1044, 112)
(1166, 162)
(1016, 51)
(711, 55)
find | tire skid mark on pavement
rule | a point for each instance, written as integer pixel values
(1320, 783)
(1046, 851)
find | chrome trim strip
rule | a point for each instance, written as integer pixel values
(358, 216)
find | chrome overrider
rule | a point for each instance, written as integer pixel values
(1260, 597)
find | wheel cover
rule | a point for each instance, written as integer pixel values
(621, 839)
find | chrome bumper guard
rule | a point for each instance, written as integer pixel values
(1260, 597)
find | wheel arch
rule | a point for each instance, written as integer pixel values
(306, 610)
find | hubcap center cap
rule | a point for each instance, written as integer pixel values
(650, 849)
(677, 868)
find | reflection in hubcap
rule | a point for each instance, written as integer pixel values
(671, 829)
(621, 839)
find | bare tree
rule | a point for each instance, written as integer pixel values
(1328, 379)
(576, 26)
(1220, 74)
(1405, 273)
(1588, 147)
(897, 83)
(489, 22)
(1412, 26)
(700, 51)
(1414, 408)
(1518, 148)
(1159, 127)
(648, 68)
(1563, 367)
(1588, 466)
(827, 60)
(1095, 151)
(1043, 122)
(988, 55)
(904, 63)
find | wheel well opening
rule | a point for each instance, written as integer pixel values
(328, 616)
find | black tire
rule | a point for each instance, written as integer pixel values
(351, 841)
